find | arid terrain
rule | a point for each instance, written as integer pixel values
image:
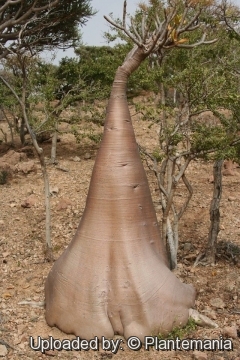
(24, 269)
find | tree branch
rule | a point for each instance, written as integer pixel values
(39, 150)
(124, 29)
(200, 42)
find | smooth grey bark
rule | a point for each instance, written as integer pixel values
(9, 123)
(210, 253)
(54, 144)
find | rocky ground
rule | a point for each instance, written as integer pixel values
(24, 269)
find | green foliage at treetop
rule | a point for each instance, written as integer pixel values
(96, 66)
(41, 24)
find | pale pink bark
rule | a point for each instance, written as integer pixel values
(114, 277)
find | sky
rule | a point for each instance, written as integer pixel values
(97, 25)
(92, 32)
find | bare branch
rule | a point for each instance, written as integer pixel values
(190, 190)
(124, 29)
(190, 23)
(162, 32)
(182, 21)
(124, 13)
(182, 169)
(200, 42)
(135, 31)
(7, 3)
(144, 32)
(165, 33)
(158, 20)
(27, 15)
(48, 6)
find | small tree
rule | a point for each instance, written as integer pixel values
(41, 24)
(114, 276)
(59, 87)
(191, 84)
(26, 28)
(8, 109)
(23, 105)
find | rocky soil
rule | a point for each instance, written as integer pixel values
(23, 267)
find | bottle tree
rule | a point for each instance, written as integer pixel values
(114, 276)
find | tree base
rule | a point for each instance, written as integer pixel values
(116, 293)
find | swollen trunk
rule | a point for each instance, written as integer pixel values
(114, 278)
